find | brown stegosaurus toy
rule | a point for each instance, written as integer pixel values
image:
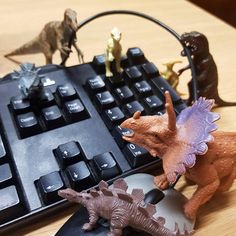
(120, 208)
(179, 142)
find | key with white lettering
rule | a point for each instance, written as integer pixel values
(79, 176)
(136, 155)
(28, 124)
(104, 101)
(105, 165)
(48, 186)
(52, 117)
(19, 105)
(75, 110)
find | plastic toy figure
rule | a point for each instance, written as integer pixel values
(206, 69)
(120, 208)
(54, 36)
(182, 145)
(170, 75)
(113, 52)
(29, 80)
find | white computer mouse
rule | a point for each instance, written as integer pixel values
(169, 203)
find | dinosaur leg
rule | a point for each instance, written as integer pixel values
(93, 217)
(79, 52)
(161, 181)
(118, 68)
(206, 177)
(108, 69)
(227, 181)
(119, 220)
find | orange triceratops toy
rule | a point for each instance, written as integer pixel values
(186, 146)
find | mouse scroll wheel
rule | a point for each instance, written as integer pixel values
(154, 196)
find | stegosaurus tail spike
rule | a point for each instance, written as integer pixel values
(120, 184)
(102, 184)
(107, 192)
(125, 197)
(138, 194)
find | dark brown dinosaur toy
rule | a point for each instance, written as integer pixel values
(120, 208)
(205, 66)
(54, 36)
(182, 145)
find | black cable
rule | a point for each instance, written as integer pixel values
(152, 19)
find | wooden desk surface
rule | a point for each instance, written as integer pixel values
(22, 20)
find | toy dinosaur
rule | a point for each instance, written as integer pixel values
(54, 36)
(180, 142)
(170, 75)
(206, 69)
(29, 80)
(113, 52)
(121, 208)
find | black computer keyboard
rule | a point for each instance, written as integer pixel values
(71, 137)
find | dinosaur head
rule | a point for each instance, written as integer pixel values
(196, 42)
(73, 196)
(116, 34)
(154, 133)
(70, 19)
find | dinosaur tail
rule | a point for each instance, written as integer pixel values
(31, 47)
(221, 103)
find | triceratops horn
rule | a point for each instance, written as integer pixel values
(137, 114)
(170, 112)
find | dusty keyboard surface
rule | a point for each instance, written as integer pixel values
(71, 137)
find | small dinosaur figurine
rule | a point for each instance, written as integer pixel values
(170, 75)
(113, 52)
(121, 208)
(29, 79)
(205, 66)
(182, 145)
(54, 36)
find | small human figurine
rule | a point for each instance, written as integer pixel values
(120, 208)
(54, 36)
(113, 52)
(29, 80)
(182, 145)
(170, 75)
(205, 67)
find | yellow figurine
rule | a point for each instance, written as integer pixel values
(170, 75)
(113, 52)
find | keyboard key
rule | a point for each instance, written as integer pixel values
(104, 101)
(52, 117)
(123, 95)
(19, 105)
(79, 176)
(160, 85)
(117, 134)
(124, 61)
(75, 110)
(95, 85)
(5, 175)
(99, 64)
(180, 107)
(28, 124)
(132, 107)
(150, 70)
(112, 117)
(2, 149)
(153, 104)
(132, 74)
(46, 98)
(66, 92)
(68, 154)
(142, 89)
(136, 155)
(105, 166)
(48, 186)
(136, 56)
(10, 205)
(114, 82)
